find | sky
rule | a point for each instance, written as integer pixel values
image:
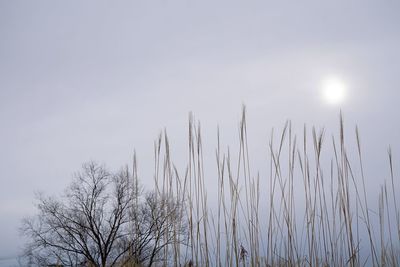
(96, 80)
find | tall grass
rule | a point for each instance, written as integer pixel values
(312, 209)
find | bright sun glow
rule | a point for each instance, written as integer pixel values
(334, 90)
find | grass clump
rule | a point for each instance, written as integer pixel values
(312, 209)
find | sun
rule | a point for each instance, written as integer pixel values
(334, 90)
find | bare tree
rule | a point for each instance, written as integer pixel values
(101, 221)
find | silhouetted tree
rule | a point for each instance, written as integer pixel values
(102, 220)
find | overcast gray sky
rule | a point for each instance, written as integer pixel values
(94, 80)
